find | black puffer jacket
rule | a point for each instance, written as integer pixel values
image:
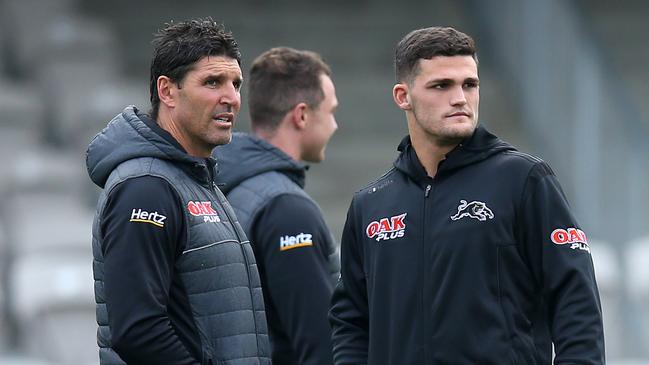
(175, 277)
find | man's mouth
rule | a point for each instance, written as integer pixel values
(459, 114)
(224, 118)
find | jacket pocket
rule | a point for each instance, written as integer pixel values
(522, 349)
(212, 244)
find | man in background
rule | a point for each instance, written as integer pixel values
(292, 101)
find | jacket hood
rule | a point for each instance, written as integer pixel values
(127, 137)
(247, 156)
(480, 146)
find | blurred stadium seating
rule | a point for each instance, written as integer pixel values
(67, 67)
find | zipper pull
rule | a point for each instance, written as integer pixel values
(427, 190)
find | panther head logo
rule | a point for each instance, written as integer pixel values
(475, 209)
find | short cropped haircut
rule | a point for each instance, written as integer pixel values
(427, 43)
(281, 78)
(178, 47)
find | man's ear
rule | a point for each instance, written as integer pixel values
(299, 115)
(401, 96)
(167, 91)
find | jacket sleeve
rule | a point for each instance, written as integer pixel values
(291, 241)
(139, 254)
(559, 256)
(348, 315)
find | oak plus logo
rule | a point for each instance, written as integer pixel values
(205, 210)
(387, 228)
(290, 242)
(574, 237)
(142, 216)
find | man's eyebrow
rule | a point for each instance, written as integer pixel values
(450, 80)
(440, 81)
(220, 75)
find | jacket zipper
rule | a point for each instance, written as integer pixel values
(423, 276)
(236, 233)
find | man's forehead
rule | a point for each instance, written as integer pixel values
(448, 67)
(218, 64)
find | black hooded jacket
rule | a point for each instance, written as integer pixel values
(175, 277)
(482, 264)
(297, 258)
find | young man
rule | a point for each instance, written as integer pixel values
(175, 276)
(466, 252)
(292, 102)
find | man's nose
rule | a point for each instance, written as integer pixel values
(231, 96)
(458, 97)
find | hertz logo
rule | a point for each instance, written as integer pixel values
(143, 216)
(291, 242)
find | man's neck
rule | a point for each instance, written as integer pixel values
(155, 127)
(429, 153)
(166, 122)
(284, 140)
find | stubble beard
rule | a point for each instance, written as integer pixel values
(446, 134)
(454, 135)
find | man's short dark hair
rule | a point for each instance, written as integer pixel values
(178, 46)
(280, 78)
(427, 43)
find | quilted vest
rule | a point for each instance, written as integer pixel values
(217, 268)
(250, 196)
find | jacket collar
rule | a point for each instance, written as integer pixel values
(479, 146)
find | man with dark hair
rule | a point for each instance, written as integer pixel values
(466, 251)
(175, 276)
(292, 102)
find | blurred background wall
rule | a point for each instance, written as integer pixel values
(565, 80)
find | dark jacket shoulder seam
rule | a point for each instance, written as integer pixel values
(377, 180)
(524, 155)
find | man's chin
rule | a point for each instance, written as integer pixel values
(462, 131)
(221, 140)
(456, 135)
(314, 158)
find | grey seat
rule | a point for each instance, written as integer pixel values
(50, 277)
(637, 284)
(4, 327)
(16, 359)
